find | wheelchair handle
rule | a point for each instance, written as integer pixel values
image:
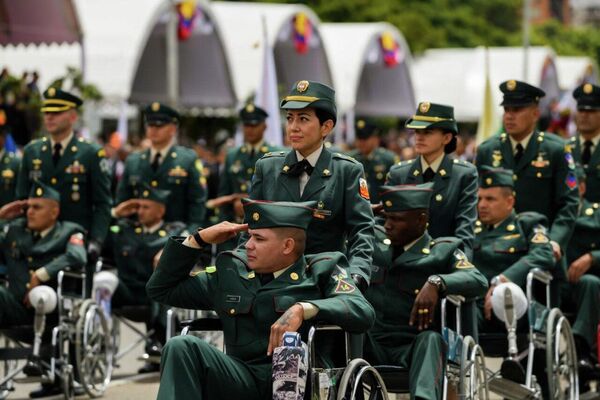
(311, 341)
(542, 277)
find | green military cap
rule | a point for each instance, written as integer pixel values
(57, 100)
(160, 114)
(435, 116)
(364, 129)
(311, 94)
(278, 214)
(587, 96)
(147, 192)
(520, 94)
(406, 197)
(252, 114)
(494, 177)
(41, 191)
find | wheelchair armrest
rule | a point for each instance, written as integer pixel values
(320, 328)
(457, 301)
(202, 324)
(543, 277)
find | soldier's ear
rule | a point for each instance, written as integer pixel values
(289, 246)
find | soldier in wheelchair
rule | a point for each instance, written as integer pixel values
(35, 249)
(411, 273)
(134, 246)
(259, 292)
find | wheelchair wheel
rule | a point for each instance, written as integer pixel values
(361, 381)
(115, 338)
(93, 351)
(561, 357)
(473, 375)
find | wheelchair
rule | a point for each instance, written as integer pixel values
(78, 347)
(549, 331)
(357, 379)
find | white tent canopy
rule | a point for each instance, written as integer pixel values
(363, 82)
(457, 76)
(573, 71)
(242, 26)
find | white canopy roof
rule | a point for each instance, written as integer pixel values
(242, 30)
(457, 76)
(363, 82)
(573, 71)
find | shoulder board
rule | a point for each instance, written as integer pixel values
(174, 226)
(463, 163)
(345, 157)
(275, 154)
(445, 239)
(312, 261)
(403, 164)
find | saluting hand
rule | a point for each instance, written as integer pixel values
(579, 267)
(13, 209)
(222, 232)
(424, 308)
(127, 208)
(290, 321)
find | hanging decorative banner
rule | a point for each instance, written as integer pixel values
(390, 49)
(187, 12)
(302, 32)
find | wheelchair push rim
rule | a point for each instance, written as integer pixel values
(561, 358)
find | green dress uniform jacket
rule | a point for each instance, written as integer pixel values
(545, 179)
(395, 284)
(180, 172)
(9, 170)
(376, 165)
(513, 248)
(62, 247)
(453, 208)
(586, 235)
(592, 171)
(336, 184)
(81, 177)
(247, 310)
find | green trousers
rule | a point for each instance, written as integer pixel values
(12, 310)
(584, 297)
(425, 358)
(193, 369)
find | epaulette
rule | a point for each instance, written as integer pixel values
(274, 154)
(402, 164)
(445, 239)
(463, 163)
(174, 226)
(345, 157)
(529, 218)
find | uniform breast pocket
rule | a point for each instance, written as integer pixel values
(539, 173)
(177, 180)
(516, 246)
(237, 318)
(282, 303)
(75, 178)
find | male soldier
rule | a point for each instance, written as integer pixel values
(260, 292)
(74, 167)
(582, 292)
(453, 207)
(312, 172)
(9, 166)
(411, 272)
(375, 160)
(240, 161)
(134, 246)
(166, 166)
(544, 169)
(585, 144)
(34, 250)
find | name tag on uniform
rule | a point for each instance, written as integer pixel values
(233, 298)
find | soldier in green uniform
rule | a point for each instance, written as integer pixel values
(585, 144)
(34, 250)
(507, 245)
(582, 291)
(545, 179)
(135, 245)
(411, 272)
(74, 167)
(453, 208)
(259, 292)
(166, 166)
(9, 166)
(311, 172)
(376, 160)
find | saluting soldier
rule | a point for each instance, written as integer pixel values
(259, 292)
(74, 167)
(507, 245)
(453, 208)
(166, 166)
(311, 172)
(135, 245)
(375, 160)
(9, 165)
(35, 249)
(412, 271)
(240, 161)
(585, 144)
(543, 166)
(583, 289)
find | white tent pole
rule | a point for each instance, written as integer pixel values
(172, 56)
(526, 25)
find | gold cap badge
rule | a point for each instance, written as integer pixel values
(511, 85)
(39, 192)
(424, 107)
(155, 106)
(256, 216)
(360, 124)
(588, 88)
(302, 86)
(488, 181)
(51, 92)
(250, 108)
